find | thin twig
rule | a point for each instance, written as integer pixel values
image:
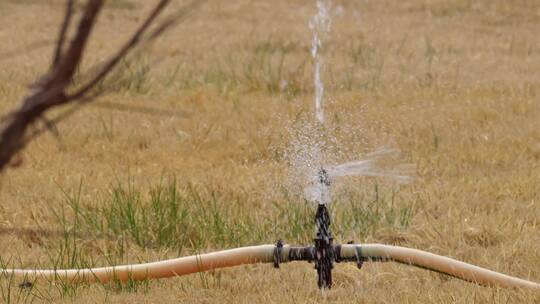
(121, 53)
(63, 32)
(174, 19)
(66, 68)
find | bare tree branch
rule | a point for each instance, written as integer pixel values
(82, 98)
(66, 67)
(51, 90)
(63, 32)
(48, 92)
(172, 20)
(122, 52)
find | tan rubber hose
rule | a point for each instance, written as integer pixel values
(438, 263)
(264, 254)
(160, 269)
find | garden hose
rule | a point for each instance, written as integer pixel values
(276, 254)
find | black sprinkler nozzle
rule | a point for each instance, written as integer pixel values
(324, 178)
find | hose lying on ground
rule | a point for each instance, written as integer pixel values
(266, 254)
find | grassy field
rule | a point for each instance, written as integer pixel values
(453, 84)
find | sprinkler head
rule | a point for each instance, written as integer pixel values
(323, 177)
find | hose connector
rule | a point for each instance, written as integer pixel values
(324, 249)
(277, 253)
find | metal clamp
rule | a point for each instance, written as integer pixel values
(358, 255)
(277, 253)
(337, 253)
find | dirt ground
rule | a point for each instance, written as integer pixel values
(211, 105)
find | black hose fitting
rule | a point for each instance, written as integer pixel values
(324, 250)
(359, 258)
(277, 253)
(302, 253)
(324, 254)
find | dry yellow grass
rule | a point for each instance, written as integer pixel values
(453, 83)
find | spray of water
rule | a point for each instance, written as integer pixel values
(320, 27)
(372, 166)
(314, 154)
